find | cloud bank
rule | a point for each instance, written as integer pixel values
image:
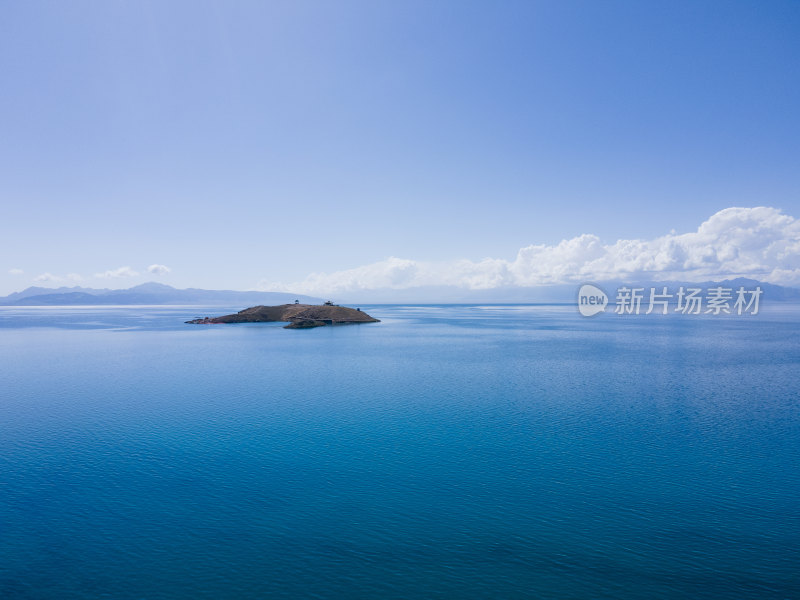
(761, 242)
(158, 269)
(116, 273)
(46, 277)
(50, 278)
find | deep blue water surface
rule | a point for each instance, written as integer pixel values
(457, 452)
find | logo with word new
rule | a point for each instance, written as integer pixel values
(687, 300)
(591, 300)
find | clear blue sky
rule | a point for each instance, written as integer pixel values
(236, 142)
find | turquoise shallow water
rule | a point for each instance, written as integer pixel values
(447, 452)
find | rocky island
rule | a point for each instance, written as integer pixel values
(299, 316)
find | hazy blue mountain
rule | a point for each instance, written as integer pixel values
(69, 298)
(40, 291)
(550, 294)
(158, 293)
(771, 292)
(148, 293)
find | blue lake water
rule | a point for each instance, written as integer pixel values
(446, 452)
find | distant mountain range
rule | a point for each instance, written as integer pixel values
(550, 294)
(147, 293)
(157, 293)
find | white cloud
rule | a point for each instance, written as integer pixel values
(46, 277)
(115, 273)
(16, 271)
(759, 242)
(74, 277)
(158, 269)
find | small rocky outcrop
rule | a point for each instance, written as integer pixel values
(299, 316)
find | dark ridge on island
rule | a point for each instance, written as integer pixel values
(299, 316)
